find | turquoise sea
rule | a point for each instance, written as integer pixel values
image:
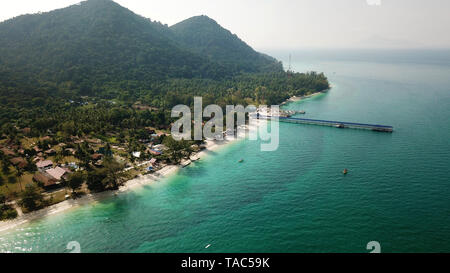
(296, 199)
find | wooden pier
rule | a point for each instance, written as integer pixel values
(336, 124)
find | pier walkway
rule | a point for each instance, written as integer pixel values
(336, 124)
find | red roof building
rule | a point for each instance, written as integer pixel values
(44, 164)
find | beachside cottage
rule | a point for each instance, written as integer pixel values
(57, 173)
(45, 180)
(50, 152)
(19, 161)
(153, 161)
(97, 157)
(155, 152)
(7, 152)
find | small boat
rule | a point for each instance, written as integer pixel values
(240, 161)
(302, 112)
(345, 171)
(341, 126)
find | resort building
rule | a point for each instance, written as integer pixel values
(7, 151)
(45, 180)
(153, 161)
(155, 152)
(57, 173)
(44, 165)
(19, 161)
(97, 156)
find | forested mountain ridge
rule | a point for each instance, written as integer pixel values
(98, 41)
(206, 37)
(94, 42)
(104, 51)
(92, 84)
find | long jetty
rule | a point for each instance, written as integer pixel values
(336, 124)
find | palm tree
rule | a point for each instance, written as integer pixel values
(113, 171)
(19, 176)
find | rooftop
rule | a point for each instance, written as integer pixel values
(56, 173)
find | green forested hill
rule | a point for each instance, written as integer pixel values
(204, 36)
(95, 42)
(50, 61)
(98, 41)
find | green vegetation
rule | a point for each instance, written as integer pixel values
(202, 35)
(31, 198)
(75, 181)
(6, 211)
(177, 150)
(111, 177)
(93, 85)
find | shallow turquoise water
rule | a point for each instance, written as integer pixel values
(296, 199)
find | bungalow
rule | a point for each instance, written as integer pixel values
(37, 149)
(50, 152)
(7, 151)
(44, 165)
(153, 161)
(37, 159)
(26, 131)
(71, 151)
(19, 161)
(46, 138)
(155, 152)
(57, 173)
(97, 156)
(44, 179)
(160, 147)
(94, 141)
(99, 163)
(195, 147)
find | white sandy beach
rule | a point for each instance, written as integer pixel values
(295, 98)
(131, 184)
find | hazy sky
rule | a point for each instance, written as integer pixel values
(271, 24)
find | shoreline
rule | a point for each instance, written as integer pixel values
(295, 98)
(137, 182)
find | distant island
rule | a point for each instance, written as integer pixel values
(86, 93)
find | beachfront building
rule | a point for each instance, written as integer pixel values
(57, 173)
(45, 180)
(19, 162)
(7, 152)
(153, 161)
(155, 152)
(44, 165)
(97, 157)
(50, 152)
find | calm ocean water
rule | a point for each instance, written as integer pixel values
(296, 199)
